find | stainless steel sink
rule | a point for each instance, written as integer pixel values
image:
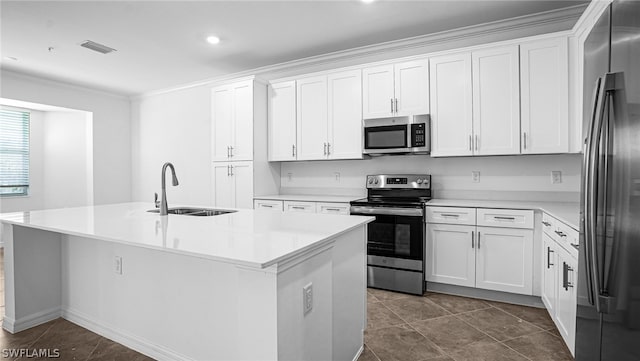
(200, 212)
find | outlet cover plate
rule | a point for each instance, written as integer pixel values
(556, 177)
(475, 176)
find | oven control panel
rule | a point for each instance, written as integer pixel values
(421, 181)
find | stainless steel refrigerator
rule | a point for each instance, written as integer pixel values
(608, 314)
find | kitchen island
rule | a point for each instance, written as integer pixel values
(177, 287)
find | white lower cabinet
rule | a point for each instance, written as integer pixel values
(268, 205)
(233, 184)
(296, 206)
(504, 259)
(302, 206)
(492, 258)
(560, 276)
(333, 208)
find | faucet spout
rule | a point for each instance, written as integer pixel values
(164, 207)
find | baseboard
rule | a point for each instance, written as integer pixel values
(524, 300)
(358, 353)
(33, 320)
(133, 342)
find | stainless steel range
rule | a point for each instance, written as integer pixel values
(395, 244)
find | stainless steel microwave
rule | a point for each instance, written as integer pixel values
(410, 134)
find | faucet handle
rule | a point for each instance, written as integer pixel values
(155, 200)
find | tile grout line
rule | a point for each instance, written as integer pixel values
(519, 318)
(94, 348)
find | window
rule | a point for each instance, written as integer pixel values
(14, 152)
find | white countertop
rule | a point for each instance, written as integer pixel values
(309, 198)
(569, 213)
(252, 238)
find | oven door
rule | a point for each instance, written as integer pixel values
(387, 138)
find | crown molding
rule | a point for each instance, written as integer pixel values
(542, 19)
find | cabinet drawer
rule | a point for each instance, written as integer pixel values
(293, 206)
(451, 215)
(267, 205)
(333, 208)
(549, 225)
(567, 237)
(505, 218)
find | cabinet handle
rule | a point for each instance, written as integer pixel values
(333, 209)
(325, 148)
(505, 218)
(560, 234)
(328, 148)
(546, 224)
(293, 150)
(227, 151)
(396, 105)
(477, 143)
(565, 276)
(450, 215)
(525, 140)
(478, 239)
(470, 144)
(231, 170)
(391, 105)
(297, 207)
(472, 241)
(230, 151)
(266, 206)
(228, 171)
(549, 251)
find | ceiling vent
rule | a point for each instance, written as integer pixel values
(103, 49)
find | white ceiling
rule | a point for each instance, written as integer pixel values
(161, 43)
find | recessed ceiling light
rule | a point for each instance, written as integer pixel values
(367, 1)
(213, 39)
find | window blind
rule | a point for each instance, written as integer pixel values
(14, 152)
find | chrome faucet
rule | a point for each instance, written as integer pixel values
(164, 208)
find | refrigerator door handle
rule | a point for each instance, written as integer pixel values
(587, 201)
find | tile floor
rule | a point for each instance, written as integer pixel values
(401, 327)
(438, 327)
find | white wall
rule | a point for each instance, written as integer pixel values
(111, 128)
(504, 177)
(173, 127)
(68, 159)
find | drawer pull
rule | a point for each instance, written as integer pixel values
(450, 215)
(472, 242)
(333, 209)
(478, 239)
(505, 218)
(560, 234)
(546, 224)
(549, 251)
(266, 205)
(565, 276)
(298, 207)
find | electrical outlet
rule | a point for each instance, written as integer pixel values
(475, 176)
(556, 177)
(307, 298)
(117, 265)
(336, 177)
(289, 177)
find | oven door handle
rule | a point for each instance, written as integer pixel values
(412, 212)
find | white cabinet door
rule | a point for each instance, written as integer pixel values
(549, 274)
(242, 145)
(223, 185)
(311, 123)
(282, 121)
(242, 178)
(544, 76)
(496, 101)
(450, 254)
(412, 88)
(451, 105)
(377, 92)
(566, 306)
(505, 259)
(345, 115)
(222, 119)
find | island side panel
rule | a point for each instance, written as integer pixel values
(349, 293)
(32, 277)
(168, 306)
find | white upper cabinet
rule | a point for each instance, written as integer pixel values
(311, 118)
(411, 88)
(232, 116)
(377, 92)
(345, 115)
(451, 107)
(496, 101)
(544, 75)
(396, 89)
(282, 121)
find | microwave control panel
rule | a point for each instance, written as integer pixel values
(418, 135)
